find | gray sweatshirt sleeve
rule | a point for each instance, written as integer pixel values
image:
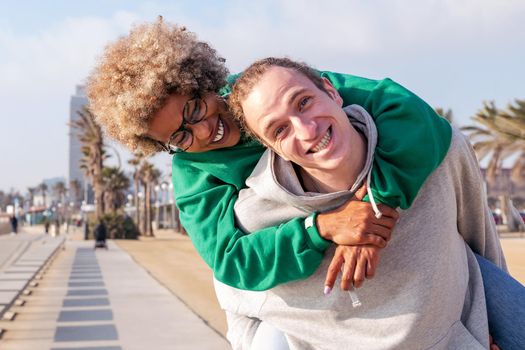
(475, 222)
(241, 330)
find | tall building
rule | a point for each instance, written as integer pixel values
(77, 102)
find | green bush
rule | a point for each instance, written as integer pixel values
(119, 226)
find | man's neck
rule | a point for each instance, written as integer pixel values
(340, 179)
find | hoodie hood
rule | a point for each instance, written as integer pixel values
(284, 185)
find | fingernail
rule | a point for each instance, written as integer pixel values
(327, 290)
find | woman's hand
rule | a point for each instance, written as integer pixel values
(493, 346)
(355, 223)
(355, 262)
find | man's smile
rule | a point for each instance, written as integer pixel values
(323, 143)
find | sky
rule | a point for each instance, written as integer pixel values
(452, 53)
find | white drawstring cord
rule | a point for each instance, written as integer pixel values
(371, 196)
(353, 295)
(355, 299)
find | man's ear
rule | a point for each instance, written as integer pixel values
(332, 92)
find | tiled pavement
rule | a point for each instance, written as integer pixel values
(103, 300)
(22, 257)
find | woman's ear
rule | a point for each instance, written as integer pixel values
(332, 92)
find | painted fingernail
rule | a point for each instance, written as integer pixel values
(327, 290)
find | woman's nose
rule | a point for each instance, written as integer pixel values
(202, 129)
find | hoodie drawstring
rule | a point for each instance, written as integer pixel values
(353, 295)
(371, 196)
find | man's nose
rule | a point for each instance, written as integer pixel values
(305, 129)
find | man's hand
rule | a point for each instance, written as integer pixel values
(356, 264)
(355, 223)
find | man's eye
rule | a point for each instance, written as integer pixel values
(279, 131)
(303, 102)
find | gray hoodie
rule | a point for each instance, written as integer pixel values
(427, 292)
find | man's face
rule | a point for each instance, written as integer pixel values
(216, 130)
(299, 121)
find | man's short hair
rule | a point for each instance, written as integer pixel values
(139, 71)
(253, 74)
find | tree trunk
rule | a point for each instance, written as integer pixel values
(149, 216)
(136, 200)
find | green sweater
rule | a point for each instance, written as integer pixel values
(412, 142)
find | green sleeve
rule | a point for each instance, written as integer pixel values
(412, 138)
(256, 261)
(206, 187)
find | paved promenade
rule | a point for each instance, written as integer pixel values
(22, 257)
(104, 300)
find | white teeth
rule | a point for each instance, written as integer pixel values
(220, 132)
(324, 142)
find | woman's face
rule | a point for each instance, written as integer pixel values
(217, 129)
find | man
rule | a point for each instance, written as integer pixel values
(427, 291)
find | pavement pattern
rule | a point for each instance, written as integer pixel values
(103, 300)
(22, 257)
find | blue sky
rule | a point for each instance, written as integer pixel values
(452, 53)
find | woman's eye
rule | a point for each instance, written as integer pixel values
(303, 102)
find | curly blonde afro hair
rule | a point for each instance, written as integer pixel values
(138, 72)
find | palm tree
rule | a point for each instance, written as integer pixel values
(43, 190)
(500, 135)
(59, 189)
(136, 162)
(92, 162)
(116, 183)
(448, 115)
(149, 177)
(75, 190)
(31, 191)
(2, 200)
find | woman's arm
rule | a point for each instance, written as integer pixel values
(265, 258)
(206, 187)
(256, 261)
(412, 138)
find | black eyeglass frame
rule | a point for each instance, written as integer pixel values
(186, 119)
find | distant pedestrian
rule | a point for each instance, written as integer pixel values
(14, 224)
(46, 225)
(101, 234)
(57, 227)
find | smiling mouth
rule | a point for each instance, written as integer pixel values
(323, 143)
(220, 132)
